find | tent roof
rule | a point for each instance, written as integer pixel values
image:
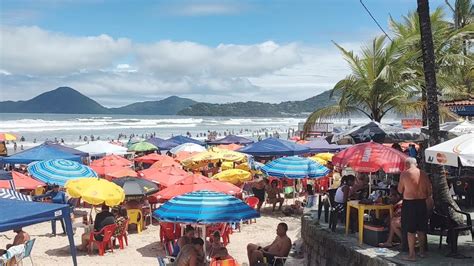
(101, 147)
(274, 147)
(182, 139)
(66, 149)
(322, 145)
(232, 139)
(40, 153)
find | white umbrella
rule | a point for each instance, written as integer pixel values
(448, 152)
(458, 128)
(188, 147)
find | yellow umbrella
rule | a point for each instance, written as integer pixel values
(319, 160)
(327, 156)
(212, 156)
(233, 176)
(7, 136)
(95, 191)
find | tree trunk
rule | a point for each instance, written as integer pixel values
(440, 188)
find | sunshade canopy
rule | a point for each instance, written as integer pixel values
(6, 193)
(232, 139)
(371, 157)
(155, 141)
(274, 147)
(166, 176)
(142, 146)
(96, 191)
(59, 171)
(21, 181)
(17, 214)
(233, 176)
(154, 157)
(294, 167)
(322, 145)
(40, 153)
(102, 147)
(136, 187)
(66, 149)
(205, 207)
(182, 139)
(448, 152)
(187, 147)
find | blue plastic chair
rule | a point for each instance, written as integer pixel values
(28, 248)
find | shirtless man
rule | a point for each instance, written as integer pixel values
(191, 254)
(21, 238)
(273, 194)
(416, 188)
(258, 190)
(279, 248)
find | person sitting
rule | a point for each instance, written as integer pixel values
(120, 220)
(222, 254)
(214, 244)
(360, 188)
(273, 195)
(395, 226)
(21, 238)
(184, 240)
(258, 190)
(102, 219)
(280, 247)
(191, 254)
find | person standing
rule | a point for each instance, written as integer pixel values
(415, 187)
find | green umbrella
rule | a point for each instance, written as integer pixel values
(142, 146)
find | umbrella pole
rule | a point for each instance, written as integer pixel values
(370, 183)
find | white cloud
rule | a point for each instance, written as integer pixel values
(206, 8)
(32, 50)
(117, 71)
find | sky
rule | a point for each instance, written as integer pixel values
(120, 52)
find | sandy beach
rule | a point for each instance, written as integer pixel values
(144, 248)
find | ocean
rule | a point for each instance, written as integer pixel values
(42, 127)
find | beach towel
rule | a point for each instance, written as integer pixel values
(17, 252)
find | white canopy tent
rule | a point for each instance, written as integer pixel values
(188, 147)
(448, 152)
(100, 147)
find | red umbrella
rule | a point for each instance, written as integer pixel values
(166, 176)
(370, 157)
(22, 182)
(124, 171)
(154, 157)
(197, 182)
(109, 164)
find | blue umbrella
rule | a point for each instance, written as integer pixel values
(294, 167)
(182, 139)
(205, 207)
(59, 171)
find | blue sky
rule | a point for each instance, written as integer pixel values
(217, 51)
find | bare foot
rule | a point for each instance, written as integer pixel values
(409, 258)
(385, 245)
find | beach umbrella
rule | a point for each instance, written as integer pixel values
(230, 147)
(183, 155)
(142, 147)
(274, 147)
(320, 145)
(232, 139)
(136, 187)
(4, 136)
(197, 182)
(451, 151)
(155, 141)
(319, 160)
(6, 179)
(6, 193)
(327, 156)
(213, 155)
(167, 144)
(371, 157)
(109, 164)
(188, 147)
(154, 157)
(125, 171)
(20, 181)
(59, 171)
(205, 207)
(95, 191)
(99, 147)
(166, 176)
(457, 128)
(161, 164)
(233, 176)
(183, 139)
(294, 167)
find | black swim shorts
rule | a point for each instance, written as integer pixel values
(414, 216)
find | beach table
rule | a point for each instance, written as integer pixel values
(361, 208)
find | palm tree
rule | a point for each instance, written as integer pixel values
(372, 87)
(440, 185)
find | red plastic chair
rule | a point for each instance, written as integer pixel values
(252, 202)
(123, 235)
(169, 232)
(226, 230)
(108, 232)
(227, 262)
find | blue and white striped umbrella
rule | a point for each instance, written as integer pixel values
(6, 193)
(59, 171)
(294, 167)
(205, 207)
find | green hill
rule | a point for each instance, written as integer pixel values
(252, 108)
(61, 100)
(168, 106)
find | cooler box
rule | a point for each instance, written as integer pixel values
(373, 235)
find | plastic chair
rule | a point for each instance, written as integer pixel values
(252, 202)
(28, 248)
(169, 231)
(225, 231)
(135, 216)
(108, 232)
(123, 235)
